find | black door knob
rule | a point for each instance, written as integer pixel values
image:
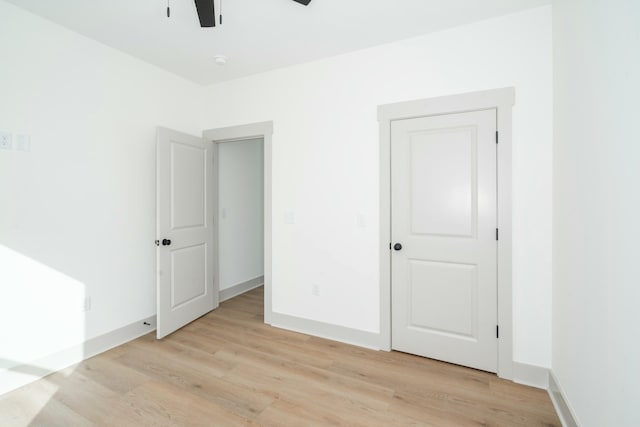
(166, 242)
(397, 246)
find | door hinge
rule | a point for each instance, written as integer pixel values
(496, 137)
(497, 331)
(496, 234)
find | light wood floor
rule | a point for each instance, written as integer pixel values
(229, 369)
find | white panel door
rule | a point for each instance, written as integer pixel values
(443, 228)
(185, 245)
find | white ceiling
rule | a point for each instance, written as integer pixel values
(259, 35)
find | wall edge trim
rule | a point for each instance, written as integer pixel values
(531, 375)
(240, 288)
(328, 331)
(561, 403)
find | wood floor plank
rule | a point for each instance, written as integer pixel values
(111, 375)
(298, 386)
(35, 405)
(193, 380)
(162, 404)
(230, 369)
(111, 405)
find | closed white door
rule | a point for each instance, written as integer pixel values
(185, 246)
(443, 228)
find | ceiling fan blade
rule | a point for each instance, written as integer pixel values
(304, 2)
(206, 13)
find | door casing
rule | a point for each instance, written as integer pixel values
(502, 100)
(262, 130)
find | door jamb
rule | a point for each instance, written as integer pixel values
(262, 130)
(502, 100)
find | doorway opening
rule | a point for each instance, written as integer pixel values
(243, 171)
(240, 216)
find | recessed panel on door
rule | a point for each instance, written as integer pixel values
(443, 181)
(188, 186)
(189, 274)
(443, 298)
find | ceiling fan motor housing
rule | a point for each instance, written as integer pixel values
(206, 13)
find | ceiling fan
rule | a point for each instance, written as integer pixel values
(207, 11)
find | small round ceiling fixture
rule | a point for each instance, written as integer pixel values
(220, 59)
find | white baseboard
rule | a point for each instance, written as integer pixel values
(326, 330)
(240, 288)
(531, 375)
(559, 398)
(21, 375)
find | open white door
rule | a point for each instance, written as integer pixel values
(186, 251)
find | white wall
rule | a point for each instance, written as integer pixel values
(596, 172)
(241, 206)
(325, 163)
(77, 212)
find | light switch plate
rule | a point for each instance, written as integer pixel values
(5, 140)
(362, 220)
(289, 218)
(23, 142)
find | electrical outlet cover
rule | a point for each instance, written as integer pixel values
(315, 290)
(5, 140)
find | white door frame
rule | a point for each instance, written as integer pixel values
(502, 100)
(262, 130)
